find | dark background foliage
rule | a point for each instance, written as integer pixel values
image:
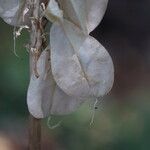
(122, 121)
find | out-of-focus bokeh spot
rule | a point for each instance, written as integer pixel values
(5, 144)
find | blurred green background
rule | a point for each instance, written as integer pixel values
(122, 121)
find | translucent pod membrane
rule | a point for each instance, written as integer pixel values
(86, 14)
(9, 11)
(16, 12)
(44, 97)
(81, 66)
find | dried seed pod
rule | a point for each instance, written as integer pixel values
(86, 14)
(44, 96)
(17, 12)
(80, 65)
(12, 12)
(53, 12)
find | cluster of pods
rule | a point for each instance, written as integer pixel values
(75, 66)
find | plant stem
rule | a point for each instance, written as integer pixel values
(35, 51)
(35, 134)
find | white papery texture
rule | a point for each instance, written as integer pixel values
(11, 11)
(8, 10)
(86, 14)
(17, 12)
(44, 96)
(53, 12)
(80, 64)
